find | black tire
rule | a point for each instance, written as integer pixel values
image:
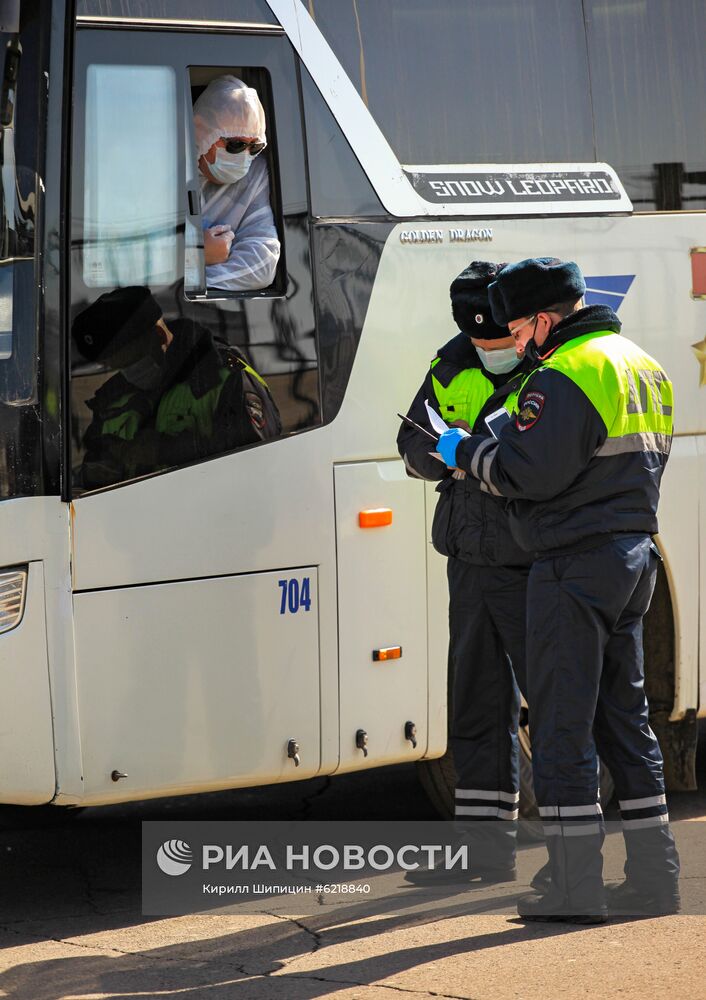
(438, 779)
(37, 817)
(529, 812)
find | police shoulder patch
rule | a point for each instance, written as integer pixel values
(530, 411)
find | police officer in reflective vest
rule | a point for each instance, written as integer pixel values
(176, 396)
(582, 462)
(474, 374)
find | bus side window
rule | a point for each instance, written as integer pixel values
(590, 80)
(648, 80)
(130, 176)
(458, 109)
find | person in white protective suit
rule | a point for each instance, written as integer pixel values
(241, 248)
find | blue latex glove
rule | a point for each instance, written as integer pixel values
(449, 442)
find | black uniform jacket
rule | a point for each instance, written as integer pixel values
(565, 498)
(192, 359)
(469, 524)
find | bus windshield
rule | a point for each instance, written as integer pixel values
(23, 30)
(11, 54)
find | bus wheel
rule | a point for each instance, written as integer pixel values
(529, 813)
(438, 779)
(36, 817)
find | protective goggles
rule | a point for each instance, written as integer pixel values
(240, 145)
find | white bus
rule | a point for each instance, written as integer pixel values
(218, 623)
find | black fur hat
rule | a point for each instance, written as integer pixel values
(531, 285)
(469, 301)
(114, 320)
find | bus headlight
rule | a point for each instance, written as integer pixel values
(13, 586)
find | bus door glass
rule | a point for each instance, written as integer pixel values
(194, 373)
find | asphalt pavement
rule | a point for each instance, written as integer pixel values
(71, 926)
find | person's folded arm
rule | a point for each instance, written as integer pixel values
(255, 251)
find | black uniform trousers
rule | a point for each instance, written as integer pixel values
(586, 696)
(487, 606)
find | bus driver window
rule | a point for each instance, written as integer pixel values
(241, 246)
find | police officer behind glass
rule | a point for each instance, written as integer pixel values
(473, 375)
(582, 462)
(173, 399)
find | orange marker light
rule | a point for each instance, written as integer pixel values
(698, 272)
(376, 517)
(391, 653)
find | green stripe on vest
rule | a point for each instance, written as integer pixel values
(463, 398)
(630, 391)
(122, 421)
(179, 410)
(251, 371)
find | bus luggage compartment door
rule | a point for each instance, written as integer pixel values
(198, 685)
(381, 605)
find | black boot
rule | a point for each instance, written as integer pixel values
(471, 878)
(652, 859)
(543, 879)
(490, 847)
(629, 899)
(553, 906)
(575, 892)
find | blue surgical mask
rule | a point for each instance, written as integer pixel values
(499, 362)
(229, 167)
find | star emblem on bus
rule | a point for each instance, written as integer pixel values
(699, 350)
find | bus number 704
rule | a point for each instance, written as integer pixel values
(294, 596)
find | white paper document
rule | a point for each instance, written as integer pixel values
(435, 420)
(438, 426)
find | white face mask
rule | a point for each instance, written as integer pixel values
(499, 362)
(229, 167)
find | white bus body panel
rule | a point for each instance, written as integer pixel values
(248, 513)
(409, 315)
(382, 592)
(196, 686)
(700, 541)
(39, 683)
(679, 506)
(27, 774)
(438, 635)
